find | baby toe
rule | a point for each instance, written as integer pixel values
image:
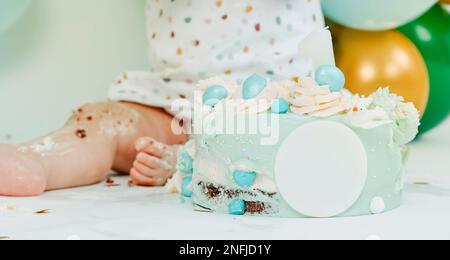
(149, 160)
(144, 169)
(151, 146)
(140, 179)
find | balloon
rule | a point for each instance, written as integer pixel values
(375, 14)
(431, 34)
(10, 11)
(380, 59)
(447, 7)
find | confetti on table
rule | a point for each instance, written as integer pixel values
(421, 183)
(111, 183)
(42, 212)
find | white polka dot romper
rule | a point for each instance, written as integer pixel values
(190, 40)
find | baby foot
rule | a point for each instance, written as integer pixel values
(155, 162)
(21, 172)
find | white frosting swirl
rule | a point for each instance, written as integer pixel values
(263, 101)
(259, 104)
(318, 101)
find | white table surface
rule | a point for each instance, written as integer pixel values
(100, 212)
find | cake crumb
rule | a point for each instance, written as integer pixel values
(212, 192)
(254, 207)
(81, 133)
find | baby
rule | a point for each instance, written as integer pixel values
(189, 40)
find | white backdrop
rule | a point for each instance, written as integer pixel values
(61, 54)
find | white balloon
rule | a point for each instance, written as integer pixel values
(375, 14)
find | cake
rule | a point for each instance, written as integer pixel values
(303, 148)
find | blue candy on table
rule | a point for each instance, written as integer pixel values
(331, 76)
(280, 106)
(244, 178)
(236, 207)
(186, 187)
(214, 94)
(185, 163)
(253, 86)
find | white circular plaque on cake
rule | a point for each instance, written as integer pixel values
(321, 169)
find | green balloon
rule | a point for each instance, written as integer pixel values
(431, 34)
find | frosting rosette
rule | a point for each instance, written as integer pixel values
(407, 121)
(319, 101)
(364, 116)
(405, 116)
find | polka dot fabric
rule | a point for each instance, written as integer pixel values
(190, 40)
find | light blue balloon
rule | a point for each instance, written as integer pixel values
(375, 15)
(185, 163)
(253, 86)
(280, 106)
(244, 179)
(236, 207)
(214, 94)
(186, 187)
(332, 76)
(10, 12)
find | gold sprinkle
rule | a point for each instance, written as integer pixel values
(228, 72)
(249, 9)
(246, 49)
(125, 76)
(42, 212)
(179, 52)
(296, 79)
(219, 3)
(202, 210)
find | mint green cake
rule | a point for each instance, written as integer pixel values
(296, 149)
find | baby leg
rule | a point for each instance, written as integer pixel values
(97, 137)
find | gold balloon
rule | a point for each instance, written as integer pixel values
(371, 60)
(445, 1)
